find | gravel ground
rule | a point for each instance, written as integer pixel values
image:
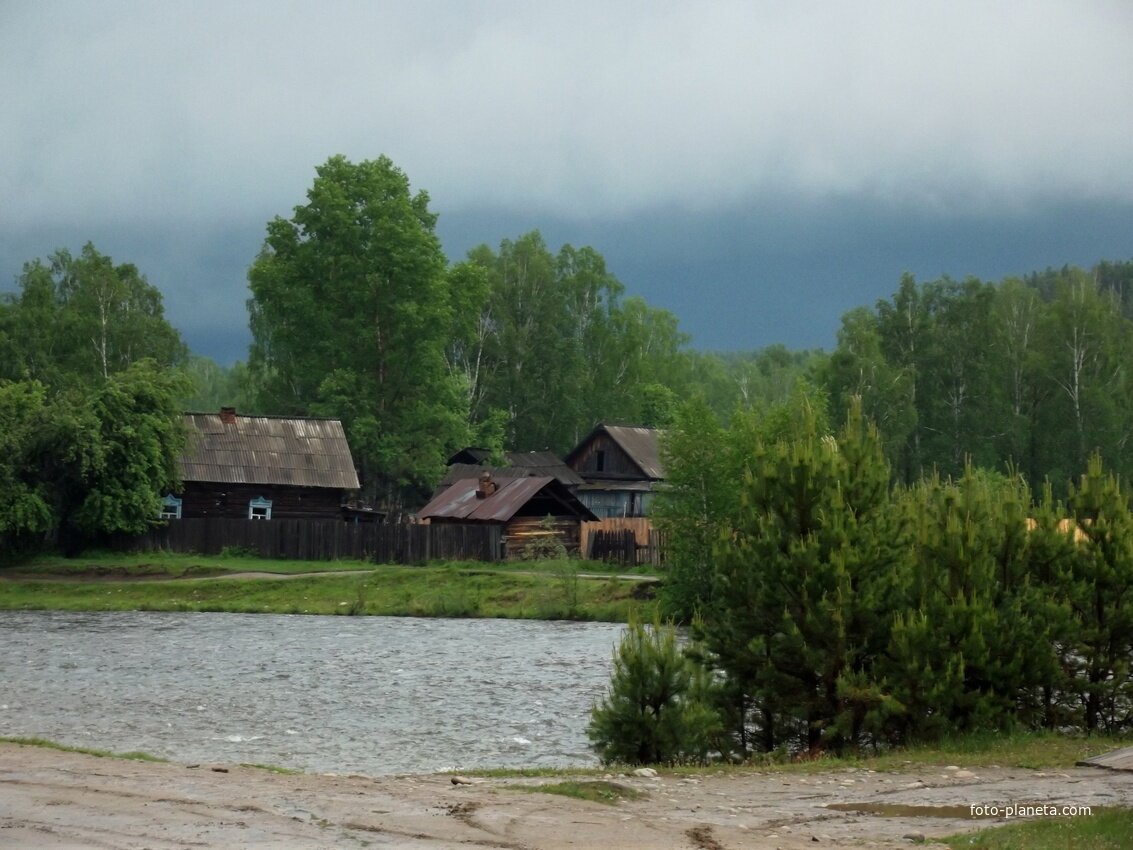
(54, 799)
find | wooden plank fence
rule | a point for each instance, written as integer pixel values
(324, 540)
(630, 542)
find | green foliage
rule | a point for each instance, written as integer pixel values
(1101, 829)
(25, 512)
(652, 712)
(214, 386)
(840, 613)
(1098, 588)
(804, 581)
(451, 590)
(119, 454)
(1045, 386)
(79, 319)
(704, 463)
(695, 507)
(89, 412)
(547, 320)
(968, 645)
(351, 312)
(87, 751)
(594, 790)
(547, 545)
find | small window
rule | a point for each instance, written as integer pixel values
(600, 461)
(259, 508)
(170, 507)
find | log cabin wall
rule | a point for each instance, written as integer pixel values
(522, 531)
(603, 457)
(230, 501)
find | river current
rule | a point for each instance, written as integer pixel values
(374, 695)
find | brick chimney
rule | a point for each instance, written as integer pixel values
(487, 485)
(228, 415)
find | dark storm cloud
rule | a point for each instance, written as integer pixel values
(684, 140)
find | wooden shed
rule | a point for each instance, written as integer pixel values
(621, 467)
(521, 506)
(262, 468)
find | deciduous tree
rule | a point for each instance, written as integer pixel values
(350, 316)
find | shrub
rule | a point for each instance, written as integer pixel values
(653, 711)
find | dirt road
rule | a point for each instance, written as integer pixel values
(52, 799)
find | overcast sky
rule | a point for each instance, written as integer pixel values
(758, 168)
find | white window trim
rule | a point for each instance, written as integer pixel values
(260, 504)
(170, 507)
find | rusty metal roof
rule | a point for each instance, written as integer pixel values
(459, 501)
(297, 452)
(639, 443)
(520, 465)
(543, 463)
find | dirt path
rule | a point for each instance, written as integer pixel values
(113, 575)
(52, 799)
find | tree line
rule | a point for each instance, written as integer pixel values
(356, 313)
(1030, 373)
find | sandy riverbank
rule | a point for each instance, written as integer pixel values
(53, 799)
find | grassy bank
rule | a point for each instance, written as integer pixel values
(1103, 829)
(533, 590)
(88, 751)
(1024, 750)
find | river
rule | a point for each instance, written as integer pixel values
(373, 695)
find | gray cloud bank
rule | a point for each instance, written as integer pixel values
(728, 148)
(192, 109)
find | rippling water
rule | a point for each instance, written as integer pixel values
(371, 695)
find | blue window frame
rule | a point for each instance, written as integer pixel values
(259, 508)
(170, 507)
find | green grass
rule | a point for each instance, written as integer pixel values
(1025, 750)
(112, 565)
(448, 590)
(594, 790)
(1104, 829)
(1030, 750)
(100, 564)
(88, 751)
(273, 768)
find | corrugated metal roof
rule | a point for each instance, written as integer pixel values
(639, 443)
(544, 463)
(520, 465)
(642, 445)
(460, 502)
(297, 452)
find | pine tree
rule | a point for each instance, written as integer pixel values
(656, 709)
(1099, 591)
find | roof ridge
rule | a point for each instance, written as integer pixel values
(263, 416)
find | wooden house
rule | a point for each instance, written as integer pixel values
(621, 468)
(529, 510)
(472, 462)
(262, 468)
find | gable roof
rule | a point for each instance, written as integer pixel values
(459, 501)
(291, 451)
(640, 444)
(519, 465)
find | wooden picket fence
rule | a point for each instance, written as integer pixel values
(324, 540)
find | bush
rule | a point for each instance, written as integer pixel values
(654, 711)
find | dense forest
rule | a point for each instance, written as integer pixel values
(356, 313)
